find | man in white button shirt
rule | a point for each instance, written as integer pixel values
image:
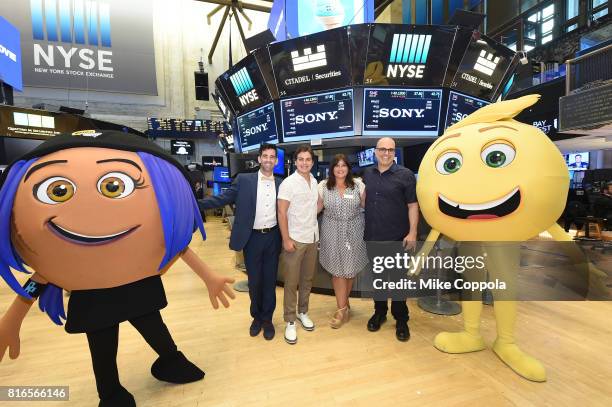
(297, 219)
(255, 232)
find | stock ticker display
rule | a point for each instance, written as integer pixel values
(401, 112)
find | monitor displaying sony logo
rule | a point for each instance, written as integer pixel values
(403, 55)
(401, 112)
(461, 106)
(312, 63)
(325, 115)
(257, 127)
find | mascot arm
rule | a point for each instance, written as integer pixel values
(10, 323)
(429, 243)
(216, 284)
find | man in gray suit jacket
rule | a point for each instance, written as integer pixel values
(255, 232)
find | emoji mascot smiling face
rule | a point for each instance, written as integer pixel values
(88, 218)
(492, 178)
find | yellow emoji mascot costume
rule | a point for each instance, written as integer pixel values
(490, 178)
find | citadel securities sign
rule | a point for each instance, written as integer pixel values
(83, 44)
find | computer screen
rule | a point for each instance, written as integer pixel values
(460, 106)
(577, 161)
(182, 147)
(279, 168)
(221, 174)
(401, 112)
(257, 127)
(219, 188)
(366, 157)
(324, 115)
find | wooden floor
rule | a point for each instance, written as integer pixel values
(349, 366)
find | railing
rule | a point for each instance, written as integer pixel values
(590, 68)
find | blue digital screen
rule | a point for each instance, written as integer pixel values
(219, 188)
(324, 115)
(460, 106)
(401, 112)
(10, 55)
(366, 157)
(221, 174)
(279, 168)
(257, 127)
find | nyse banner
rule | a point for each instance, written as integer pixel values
(407, 55)
(104, 45)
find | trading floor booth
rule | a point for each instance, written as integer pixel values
(342, 89)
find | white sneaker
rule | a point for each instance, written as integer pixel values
(306, 322)
(291, 333)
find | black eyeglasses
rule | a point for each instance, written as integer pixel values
(385, 150)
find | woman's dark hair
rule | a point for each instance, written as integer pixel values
(331, 179)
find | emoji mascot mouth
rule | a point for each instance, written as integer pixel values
(79, 238)
(488, 210)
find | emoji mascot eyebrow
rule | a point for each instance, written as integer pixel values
(41, 165)
(121, 160)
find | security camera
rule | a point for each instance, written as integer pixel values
(523, 57)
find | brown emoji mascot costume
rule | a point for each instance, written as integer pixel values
(103, 217)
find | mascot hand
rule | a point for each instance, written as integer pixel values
(9, 338)
(218, 285)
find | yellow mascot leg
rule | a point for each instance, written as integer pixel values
(468, 340)
(507, 350)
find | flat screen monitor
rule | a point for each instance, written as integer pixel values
(401, 112)
(279, 168)
(324, 115)
(313, 63)
(577, 161)
(239, 163)
(209, 162)
(219, 188)
(408, 55)
(257, 127)
(460, 106)
(245, 86)
(482, 68)
(221, 174)
(366, 157)
(182, 147)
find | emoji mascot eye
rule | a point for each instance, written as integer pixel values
(449, 163)
(54, 190)
(498, 155)
(116, 185)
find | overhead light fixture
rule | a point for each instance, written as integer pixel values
(523, 57)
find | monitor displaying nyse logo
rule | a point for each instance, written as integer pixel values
(404, 55)
(408, 55)
(482, 68)
(86, 44)
(243, 86)
(312, 63)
